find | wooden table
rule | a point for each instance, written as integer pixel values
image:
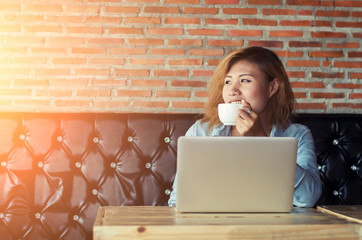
(151, 222)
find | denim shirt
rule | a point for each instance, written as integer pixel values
(307, 186)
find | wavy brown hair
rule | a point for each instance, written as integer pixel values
(280, 108)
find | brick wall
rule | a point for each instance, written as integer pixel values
(158, 55)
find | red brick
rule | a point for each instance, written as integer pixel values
(134, 93)
(92, 71)
(213, 62)
(183, 1)
(50, 71)
(125, 9)
(144, 61)
(305, 12)
(167, 51)
(279, 12)
(61, 41)
(305, 23)
(285, 33)
(125, 30)
(176, 94)
(221, 21)
(49, 29)
(132, 72)
(187, 83)
(266, 43)
(108, 82)
(326, 63)
(42, 8)
(145, 41)
(318, 106)
(166, 31)
(357, 35)
(182, 20)
(222, 1)
(355, 54)
(264, 2)
(300, 95)
(319, 23)
(324, 13)
(327, 75)
(53, 93)
(150, 104)
(171, 73)
(347, 105)
(327, 54)
(311, 2)
(185, 62)
(84, 30)
(348, 64)
(103, 20)
(9, 7)
(355, 95)
(110, 104)
(356, 14)
(240, 11)
(303, 63)
(72, 103)
(106, 41)
(328, 34)
(202, 94)
(128, 51)
(355, 75)
(327, 95)
(107, 61)
(149, 9)
(88, 50)
(148, 83)
(81, 9)
(348, 3)
(186, 42)
(349, 24)
(307, 84)
(143, 20)
(246, 33)
(222, 43)
(32, 102)
(205, 32)
(93, 93)
(343, 45)
(69, 60)
(348, 85)
(207, 52)
(289, 54)
(296, 74)
(202, 73)
(259, 22)
(199, 10)
(188, 104)
(30, 82)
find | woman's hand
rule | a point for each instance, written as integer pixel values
(248, 122)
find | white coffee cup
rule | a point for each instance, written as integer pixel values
(228, 112)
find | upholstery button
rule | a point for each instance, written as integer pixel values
(353, 167)
(78, 164)
(113, 164)
(130, 139)
(319, 167)
(22, 137)
(335, 142)
(167, 139)
(94, 192)
(40, 164)
(37, 215)
(95, 140)
(60, 139)
(167, 192)
(336, 193)
(148, 165)
(2, 215)
(75, 217)
(3, 164)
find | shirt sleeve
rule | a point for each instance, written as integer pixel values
(308, 186)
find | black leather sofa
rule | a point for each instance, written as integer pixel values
(56, 169)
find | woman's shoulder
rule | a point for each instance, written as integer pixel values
(293, 130)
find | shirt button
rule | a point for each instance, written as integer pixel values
(60, 139)
(22, 137)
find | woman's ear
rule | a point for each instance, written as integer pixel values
(274, 86)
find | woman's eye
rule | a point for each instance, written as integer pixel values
(245, 80)
(227, 81)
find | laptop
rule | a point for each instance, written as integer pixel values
(235, 174)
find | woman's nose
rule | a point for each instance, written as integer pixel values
(234, 90)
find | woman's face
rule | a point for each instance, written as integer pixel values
(246, 81)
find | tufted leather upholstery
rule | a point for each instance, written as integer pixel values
(57, 169)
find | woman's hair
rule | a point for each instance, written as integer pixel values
(280, 107)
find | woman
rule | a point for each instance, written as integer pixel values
(256, 78)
